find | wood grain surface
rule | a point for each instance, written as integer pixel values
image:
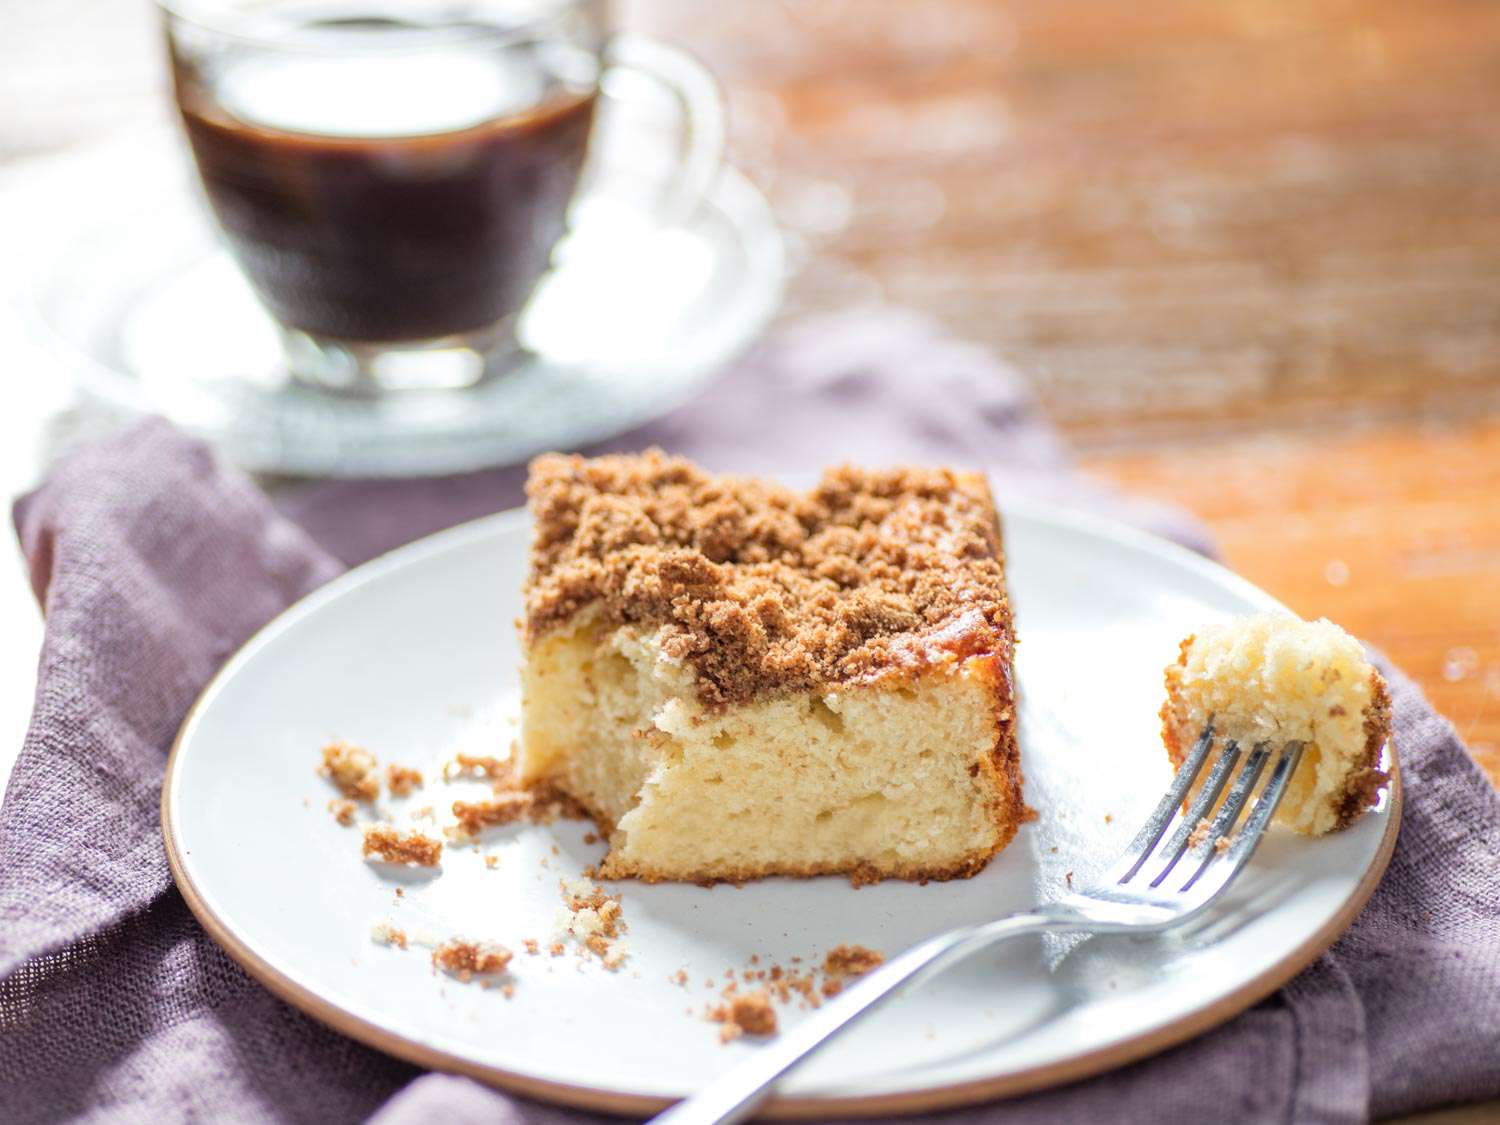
(1247, 252)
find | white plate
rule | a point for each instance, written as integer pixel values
(413, 655)
(132, 291)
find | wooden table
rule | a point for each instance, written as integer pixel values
(1246, 251)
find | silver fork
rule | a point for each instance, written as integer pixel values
(1165, 877)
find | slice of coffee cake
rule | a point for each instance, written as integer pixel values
(738, 680)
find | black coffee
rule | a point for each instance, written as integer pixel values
(387, 197)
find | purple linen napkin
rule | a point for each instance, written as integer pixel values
(153, 563)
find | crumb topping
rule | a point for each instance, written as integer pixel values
(343, 811)
(352, 769)
(402, 780)
(393, 845)
(765, 589)
(464, 959)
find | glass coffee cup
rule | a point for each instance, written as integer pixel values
(393, 177)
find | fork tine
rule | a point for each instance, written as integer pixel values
(1229, 811)
(1233, 861)
(1150, 832)
(1170, 852)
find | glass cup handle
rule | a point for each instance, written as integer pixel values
(701, 107)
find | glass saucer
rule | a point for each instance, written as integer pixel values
(149, 313)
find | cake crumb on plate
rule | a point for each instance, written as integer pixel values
(475, 766)
(748, 1014)
(465, 959)
(851, 960)
(594, 919)
(402, 780)
(386, 932)
(390, 844)
(352, 769)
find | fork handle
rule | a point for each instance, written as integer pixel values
(735, 1095)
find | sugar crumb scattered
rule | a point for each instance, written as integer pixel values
(343, 810)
